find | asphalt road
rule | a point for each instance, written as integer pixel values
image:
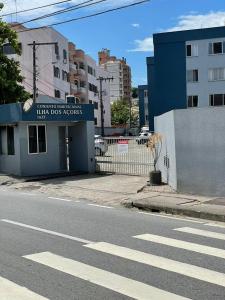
(57, 249)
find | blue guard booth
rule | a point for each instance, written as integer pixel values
(46, 138)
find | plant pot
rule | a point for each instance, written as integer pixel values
(155, 178)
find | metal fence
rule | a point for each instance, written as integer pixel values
(124, 155)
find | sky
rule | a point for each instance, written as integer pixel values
(128, 32)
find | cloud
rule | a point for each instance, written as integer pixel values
(185, 22)
(135, 25)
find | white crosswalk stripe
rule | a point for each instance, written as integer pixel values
(205, 233)
(161, 262)
(117, 283)
(12, 291)
(182, 245)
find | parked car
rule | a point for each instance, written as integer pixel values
(143, 137)
(101, 146)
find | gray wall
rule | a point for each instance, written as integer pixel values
(82, 153)
(199, 149)
(41, 163)
(10, 164)
(81, 147)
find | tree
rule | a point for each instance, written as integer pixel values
(134, 93)
(120, 112)
(11, 89)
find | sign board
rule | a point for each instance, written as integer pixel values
(122, 146)
(59, 112)
(16, 112)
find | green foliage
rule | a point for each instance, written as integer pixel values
(10, 88)
(134, 92)
(120, 112)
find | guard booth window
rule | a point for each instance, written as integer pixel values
(37, 139)
(10, 140)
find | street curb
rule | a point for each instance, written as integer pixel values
(175, 211)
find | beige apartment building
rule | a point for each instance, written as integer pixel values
(120, 87)
(85, 86)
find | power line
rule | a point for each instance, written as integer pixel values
(87, 16)
(34, 8)
(63, 11)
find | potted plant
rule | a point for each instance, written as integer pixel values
(155, 146)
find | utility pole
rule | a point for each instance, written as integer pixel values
(101, 79)
(34, 47)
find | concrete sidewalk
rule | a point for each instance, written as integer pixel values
(160, 199)
(129, 191)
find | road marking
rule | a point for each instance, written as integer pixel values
(182, 245)
(114, 282)
(161, 263)
(11, 291)
(170, 217)
(211, 234)
(61, 199)
(103, 206)
(215, 225)
(65, 236)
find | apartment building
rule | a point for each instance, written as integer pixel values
(187, 70)
(120, 87)
(85, 86)
(52, 61)
(143, 105)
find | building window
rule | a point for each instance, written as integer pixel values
(192, 76)
(64, 56)
(216, 74)
(57, 51)
(145, 93)
(8, 49)
(65, 76)
(217, 100)
(191, 50)
(90, 102)
(192, 101)
(81, 66)
(91, 71)
(96, 121)
(57, 94)
(217, 48)
(82, 84)
(93, 88)
(56, 72)
(95, 105)
(37, 139)
(10, 140)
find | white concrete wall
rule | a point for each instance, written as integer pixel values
(199, 166)
(165, 126)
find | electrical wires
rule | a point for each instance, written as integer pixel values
(87, 16)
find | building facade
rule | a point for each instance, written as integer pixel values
(85, 86)
(120, 87)
(52, 61)
(187, 70)
(143, 105)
